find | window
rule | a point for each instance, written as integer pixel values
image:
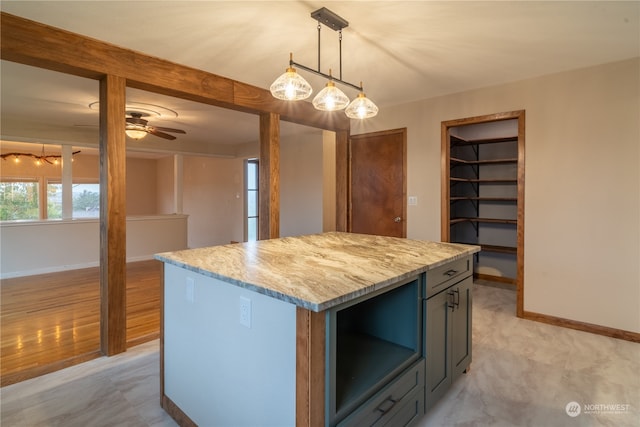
(86, 200)
(54, 200)
(32, 189)
(251, 202)
(19, 199)
(85, 196)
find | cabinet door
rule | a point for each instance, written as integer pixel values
(461, 328)
(438, 347)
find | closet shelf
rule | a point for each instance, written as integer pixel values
(485, 199)
(483, 162)
(486, 220)
(499, 249)
(494, 248)
(455, 140)
(485, 181)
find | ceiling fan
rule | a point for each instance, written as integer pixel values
(138, 128)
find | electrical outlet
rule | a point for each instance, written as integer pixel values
(189, 292)
(413, 200)
(245, 312)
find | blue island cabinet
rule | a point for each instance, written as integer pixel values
(375, 360)
(410, 354)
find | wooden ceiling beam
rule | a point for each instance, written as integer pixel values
(33, 43)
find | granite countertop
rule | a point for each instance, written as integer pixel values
(318, 271)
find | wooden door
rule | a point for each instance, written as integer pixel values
(378, 184)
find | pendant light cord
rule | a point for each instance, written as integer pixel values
(340, 48)
(319, 26)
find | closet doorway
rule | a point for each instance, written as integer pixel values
(483, 194)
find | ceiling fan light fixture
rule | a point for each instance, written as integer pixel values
(138, 128)
(330, 98)
(135, 132)
(361, 108)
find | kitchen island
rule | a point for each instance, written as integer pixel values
(325, 329)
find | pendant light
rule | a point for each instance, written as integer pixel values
(330, 98)
(361, 107)
(291, 86)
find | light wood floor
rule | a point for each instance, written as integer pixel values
(52, 321)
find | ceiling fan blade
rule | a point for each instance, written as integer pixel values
(160, 128)
(154, 131)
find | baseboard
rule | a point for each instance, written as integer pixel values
(176, 413)
(49, 270)
(583, 326)
(69, 267)
(27, 374)
(143, 339)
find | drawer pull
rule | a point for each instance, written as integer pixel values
(388, 399)
(450, 273)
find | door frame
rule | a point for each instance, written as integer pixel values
(403, 133)
(445, 192)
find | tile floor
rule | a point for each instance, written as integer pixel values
(523, 374)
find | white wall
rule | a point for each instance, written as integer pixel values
(213, 198)
(582, 184)
(301, 177)
(38, 247)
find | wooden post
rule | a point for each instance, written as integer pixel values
(113, 216)
(269, 192)
(310, 368)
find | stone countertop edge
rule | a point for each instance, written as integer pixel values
(371, 287)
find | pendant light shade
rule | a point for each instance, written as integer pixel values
(291, 86)
(361, 108)
(330, 98)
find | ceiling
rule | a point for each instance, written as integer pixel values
(402, 51)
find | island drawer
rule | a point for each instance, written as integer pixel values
(410, 412)
(395, 402)
(441, 277)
